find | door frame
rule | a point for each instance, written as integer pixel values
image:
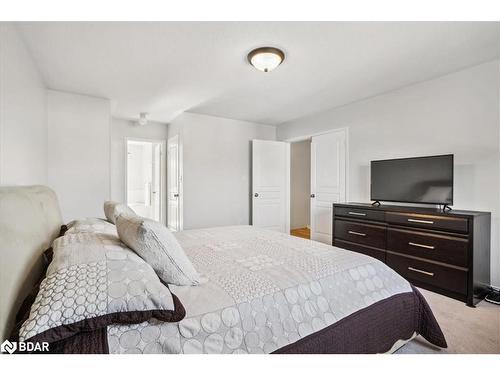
(163, 175)
(309, 136)
(180, 202)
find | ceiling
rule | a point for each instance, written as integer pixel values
(166, 68)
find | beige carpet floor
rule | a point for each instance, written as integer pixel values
(467, 330)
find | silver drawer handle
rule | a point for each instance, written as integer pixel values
(420, 271)
(357, 233)
(421, 221)
(420, 245)
(356, 213)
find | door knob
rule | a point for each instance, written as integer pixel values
(256, 195)
(176, 195)
(313, 196)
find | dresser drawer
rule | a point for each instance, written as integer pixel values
(367, 250)
(365, 234)
(432, 274)
(359, 213)
(447, 249)
(455, 224)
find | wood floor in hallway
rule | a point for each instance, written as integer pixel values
(301, 232)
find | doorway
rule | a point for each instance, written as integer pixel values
(318, 178)
(300, 188)
(145, 178)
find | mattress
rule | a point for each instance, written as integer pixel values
(268, 292)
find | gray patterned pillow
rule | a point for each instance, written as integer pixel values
(91, 225)
(114, 209)
(93, 281)
(157, 245)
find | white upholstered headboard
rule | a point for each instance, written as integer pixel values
(30, 219)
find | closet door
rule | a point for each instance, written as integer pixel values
(328, 181)
(271, 185)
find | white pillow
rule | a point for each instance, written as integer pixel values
(154, 243)
(114, 209)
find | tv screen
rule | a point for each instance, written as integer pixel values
(413, 180)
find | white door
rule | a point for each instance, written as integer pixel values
(174, 215)
(270, 185)
(328, 181)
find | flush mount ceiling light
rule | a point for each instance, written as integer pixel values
(266, 59)
(143, 118)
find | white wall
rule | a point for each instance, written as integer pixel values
(23, 113)
(79, 153)
(120, 130)
(457, 113)
(300, 184)
(217, 168)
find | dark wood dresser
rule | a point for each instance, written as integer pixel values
(446, 252)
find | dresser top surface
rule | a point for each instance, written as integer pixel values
(412, 209)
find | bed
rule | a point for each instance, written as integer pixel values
(267, 292)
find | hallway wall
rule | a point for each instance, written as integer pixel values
(300, 184)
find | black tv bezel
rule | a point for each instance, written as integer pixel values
(414, 158)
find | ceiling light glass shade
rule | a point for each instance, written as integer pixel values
(266, 59)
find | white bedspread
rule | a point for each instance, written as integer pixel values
(265, 290)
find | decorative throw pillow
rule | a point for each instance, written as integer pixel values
(157, 245)
(95, 281)
(91, 225)
(114, 209)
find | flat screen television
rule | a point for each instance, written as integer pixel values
(426, 180)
